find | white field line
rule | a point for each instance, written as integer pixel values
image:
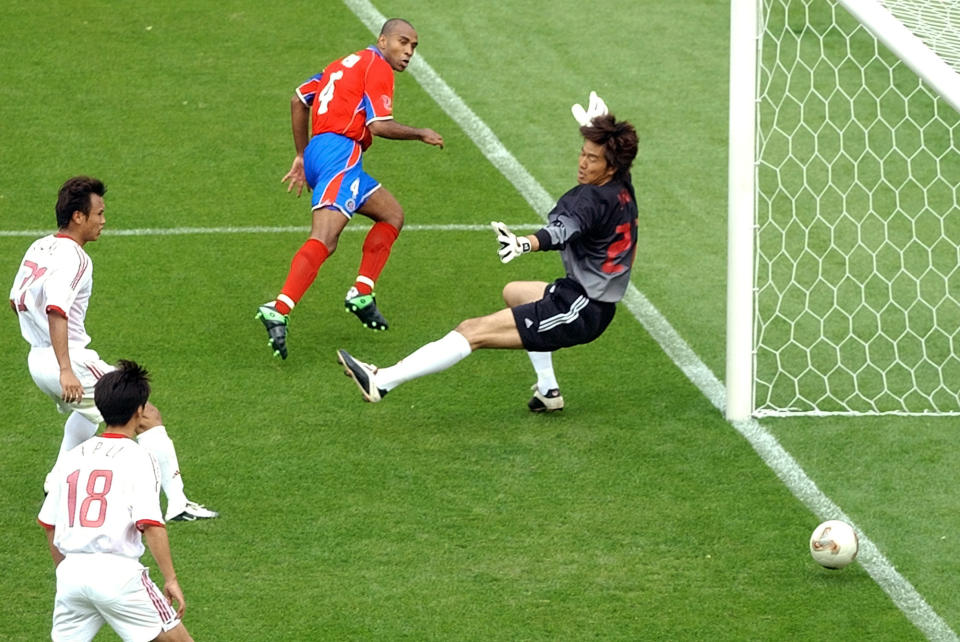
(266, 229)
(903, 594)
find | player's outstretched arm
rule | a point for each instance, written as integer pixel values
(398, 131)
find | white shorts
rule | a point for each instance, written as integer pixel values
(93, 588)
(88, 367)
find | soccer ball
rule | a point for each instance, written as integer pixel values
(834, 544)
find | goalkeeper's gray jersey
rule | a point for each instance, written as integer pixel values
(595, 229)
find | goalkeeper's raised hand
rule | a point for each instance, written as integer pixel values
(596, 107)
(511, 245)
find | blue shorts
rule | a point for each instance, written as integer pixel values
(333, 165)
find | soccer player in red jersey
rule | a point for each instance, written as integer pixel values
(335, 116)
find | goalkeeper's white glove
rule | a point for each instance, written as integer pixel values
(511, 245)
(596, 107)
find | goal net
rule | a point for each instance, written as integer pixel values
(853, 281)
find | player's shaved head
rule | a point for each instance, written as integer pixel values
(397, 42)
(393, 24)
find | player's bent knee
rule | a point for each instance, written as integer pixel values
(472, 330)
(519, 292)
(514, 294)
(394, 217)
(497, 330)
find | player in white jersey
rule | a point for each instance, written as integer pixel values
(50, 295)
(104, 500)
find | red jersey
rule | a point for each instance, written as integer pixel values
(350, 94)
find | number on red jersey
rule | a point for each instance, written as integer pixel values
(618, 249)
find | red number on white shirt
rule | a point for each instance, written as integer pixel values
(94, 496)
(35, 273)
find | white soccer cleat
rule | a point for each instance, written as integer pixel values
(192, 512)
(550, 402)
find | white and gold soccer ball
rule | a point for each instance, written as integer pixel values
(834, 544)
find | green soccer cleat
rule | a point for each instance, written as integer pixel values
(276, 325)
(364, 307)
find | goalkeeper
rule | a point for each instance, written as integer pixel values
(594, 227)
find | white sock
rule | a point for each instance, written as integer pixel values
(76, 430)
(543, 366)
(156, 441)
(429, 359)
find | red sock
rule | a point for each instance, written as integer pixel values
(376, 251)
(303, 270)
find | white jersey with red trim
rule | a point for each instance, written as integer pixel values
(106, 491)
(56, 274)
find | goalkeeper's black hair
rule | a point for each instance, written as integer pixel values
(121, 392)
(618, 139)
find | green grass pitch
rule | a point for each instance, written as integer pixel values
(448, 511)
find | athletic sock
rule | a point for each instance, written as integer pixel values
(76, 430)
(543, 366)
(376, 251)
(303, 270)
(159, 444)
(433, 357)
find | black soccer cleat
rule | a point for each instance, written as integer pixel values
(276, 325)
(363, 374)
(364, 307)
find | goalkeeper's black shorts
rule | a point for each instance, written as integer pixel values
(564, 317)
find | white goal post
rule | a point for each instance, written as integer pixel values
(843, 289)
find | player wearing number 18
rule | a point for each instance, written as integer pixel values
(343, 108)
(103, 503)
(594, 227)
